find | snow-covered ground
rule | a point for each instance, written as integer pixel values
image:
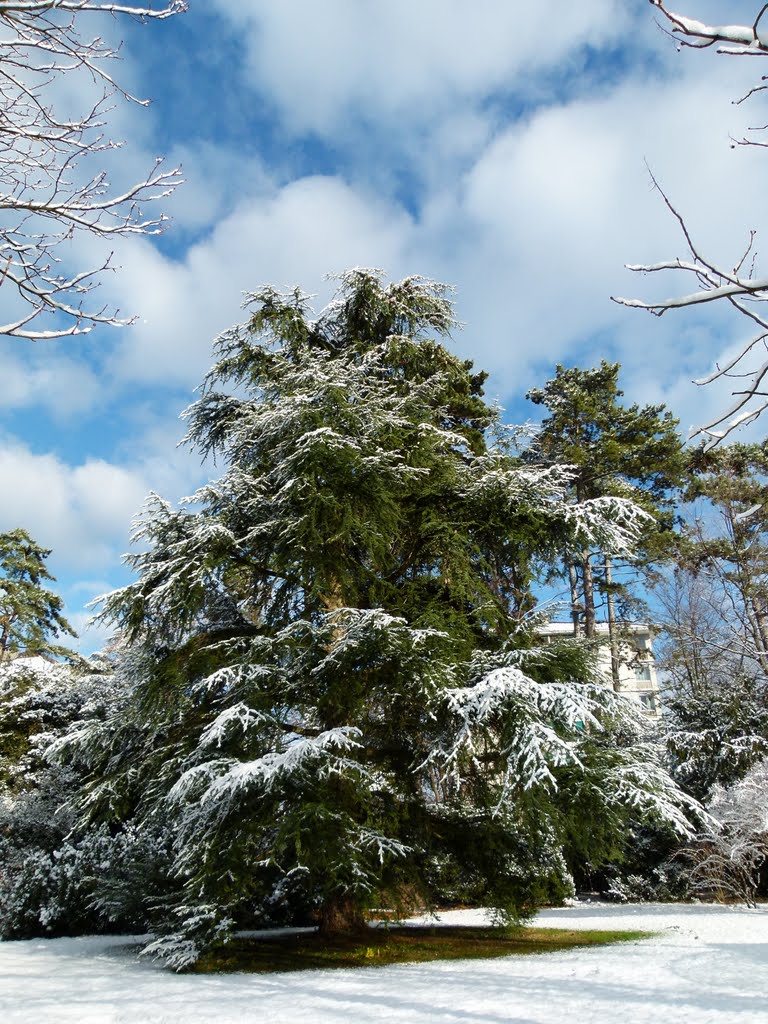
(710, 964)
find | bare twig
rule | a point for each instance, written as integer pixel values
(741, 287)
(45, 198)
(690, 32)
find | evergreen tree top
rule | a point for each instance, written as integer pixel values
(614, 448)
(30, 614)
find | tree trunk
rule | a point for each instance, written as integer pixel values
(762, 630)
(341, 915)
(575, 604)
(612, 627)
(589, 595)
(334, 598)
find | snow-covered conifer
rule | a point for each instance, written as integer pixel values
(335, 705)
(59, 875)
(714, 650)
(31, 615)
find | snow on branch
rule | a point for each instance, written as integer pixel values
(638, 782)
(357, 633)
(729, 854)
(233, 720)
(711, 281)
(531, 729)
(136, 10)
(546, 718)
(613, 524)
(367, 840)
(519, 485)
(741, 39)
(47, 197)
(223, 780)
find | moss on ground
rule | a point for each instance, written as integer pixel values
(380, 946)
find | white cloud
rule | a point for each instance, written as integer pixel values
(82, 512)
(321, 63)
(46, 378)
(538, 230)
(535, 232)
(532, 217)
(294, 235)
(207, 194)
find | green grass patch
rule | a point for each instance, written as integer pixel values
(381, 946)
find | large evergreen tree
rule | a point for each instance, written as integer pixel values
(334, 708)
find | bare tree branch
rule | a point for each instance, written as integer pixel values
(136, 10)
(740, 286)
(748, 38)
(47, 198)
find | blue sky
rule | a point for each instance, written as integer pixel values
(498, 146)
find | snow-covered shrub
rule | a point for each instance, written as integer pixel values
(716, 732)
(58, 874)
(76, 884)
(667, 882)
(38, 697)
(728, 859)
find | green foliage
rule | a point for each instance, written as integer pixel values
(715, 652)
(56, 883)
(30, 614)
(629, 451)
(381, 946)
(613, 447)
(718, 732)
(727, 542)
(59, 876)
(509, 861)
(27, 710)
(331, 689)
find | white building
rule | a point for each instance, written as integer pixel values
(637, 669)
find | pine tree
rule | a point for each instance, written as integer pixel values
(334, 708)
(30, 614)
(629, 451)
